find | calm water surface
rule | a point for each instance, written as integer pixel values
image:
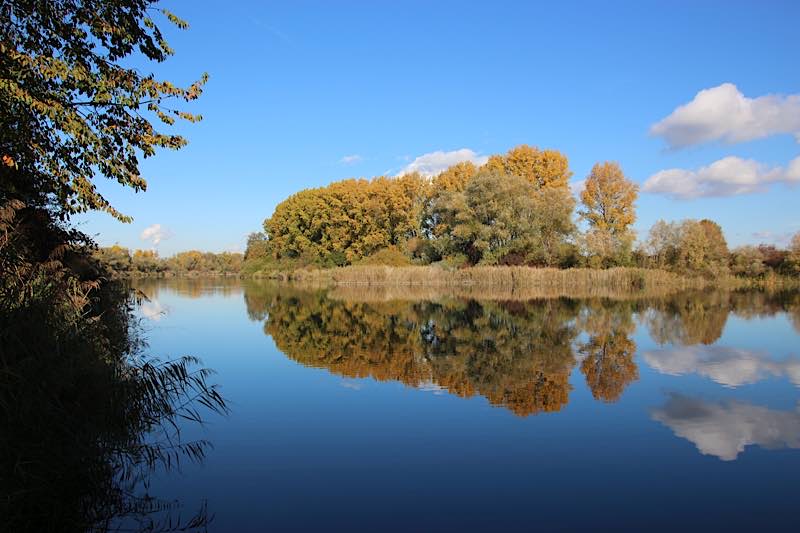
(358, 410)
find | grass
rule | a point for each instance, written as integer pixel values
(520, 281)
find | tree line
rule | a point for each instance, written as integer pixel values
(516, 209)
(147, 262)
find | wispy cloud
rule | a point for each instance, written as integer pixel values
(433, 163)
(351, 159)
(155, 233)
(725, 429)
(729, 176)
(771, 236)
(723, 113)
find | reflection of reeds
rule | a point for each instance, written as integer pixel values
(386, 293)
(86, 418)
(190, 286)
(516, 282)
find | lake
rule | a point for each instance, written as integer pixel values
(408, 409)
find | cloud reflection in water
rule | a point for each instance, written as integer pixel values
(727, 366)
(725, 429)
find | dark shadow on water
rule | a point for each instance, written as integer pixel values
(86, 419)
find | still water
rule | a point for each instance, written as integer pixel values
(359, 409)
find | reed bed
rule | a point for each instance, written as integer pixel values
(513, 281)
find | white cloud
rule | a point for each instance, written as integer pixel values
(729, 176)
(433, 163)
(155, 233)
(730, 367)
(351, 159)
(723, 113)
(725, 429)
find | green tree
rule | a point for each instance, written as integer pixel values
(499, 215)
(702, 248)
(257, 246)
(792, 261)
(747, 261)
(71, 107)
(663, 243)
(690, 246)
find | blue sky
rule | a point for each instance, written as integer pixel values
(297, 87)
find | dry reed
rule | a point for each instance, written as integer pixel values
(536, 282)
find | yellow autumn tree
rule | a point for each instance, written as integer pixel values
(608, 206)
(544, 169)
(455, 178)
(348, 220)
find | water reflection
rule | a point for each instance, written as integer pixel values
(189, 287)
(517, 352)
(518, 355)
(725, 429)
(82, 435)
(728, 366)
(153, 310)
(608, 357)
(561, 373)
(689, 318)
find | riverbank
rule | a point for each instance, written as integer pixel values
(545, 280)
(511, 280)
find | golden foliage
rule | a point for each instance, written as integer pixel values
(348, 219)
(541, 168)
(608, 198)
(455, 178)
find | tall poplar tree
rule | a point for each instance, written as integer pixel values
(608, 206)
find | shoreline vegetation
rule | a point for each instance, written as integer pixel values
(87, 413)
(493, 282)
(512, 222)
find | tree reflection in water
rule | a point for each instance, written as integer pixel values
(608, 356)
(518, 352)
